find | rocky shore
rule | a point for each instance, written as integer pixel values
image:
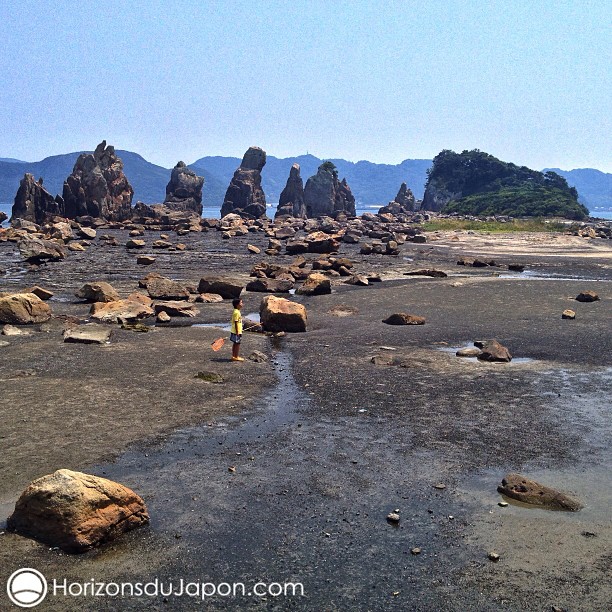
(285, 467)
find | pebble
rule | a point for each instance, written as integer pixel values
(440, 486)
(393, 517)
(493, 556)
(231, 469)
(503, 504)
(415, 551)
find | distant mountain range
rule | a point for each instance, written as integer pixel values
(371, 183)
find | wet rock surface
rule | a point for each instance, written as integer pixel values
(531, 492)
(331, 442)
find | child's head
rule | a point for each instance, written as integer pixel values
(236, 302)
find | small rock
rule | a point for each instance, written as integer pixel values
(493, 556)
(258, 357)
(415, 551)
(11, 330)
(393, 517)
(145, 260)
(43, 294)
(231, 469)
(209, 298)
(568, 314)
(135, 244)
(502, 504)
(587, 296)
(531, 492)
(251, 248)
(492, 350)
(163, 317)
(402, 318)
(161, 244)
(440, 486)
(468, 352)
(210, 377)
(91, 333)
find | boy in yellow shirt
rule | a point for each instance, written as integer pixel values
(236, 329)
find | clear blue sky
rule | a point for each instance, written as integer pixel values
(529, 82)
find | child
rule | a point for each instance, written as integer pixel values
(236, 329)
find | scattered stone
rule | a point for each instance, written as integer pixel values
(163, 317)
(88, 233)
(270, 285)
(251, 248)
(145, 260)
(359, 280)
(342, 311)
(161, 244)
(76, 247)
(468, 352)
(440, 486)
(402, 318)
(37, 250)
(90, 333)
(227, 288)
(258, 357)
(161, 288)
(502, 504)
(209, 298)
(281, 315)
(43, 294)
(587, 296)
(493, 556)
(23, 308)
(492, 350)
(321, 242)
(315, 284)
(393, 517)
(135, 243)
(11, 330)
(210, 377)
(131, 308)
(176, 309)
(383, 360)
(135, 326)
(415, 551)
(97, 292)
(76, 511)
(432, 273)
(568, 314)
(531, 492)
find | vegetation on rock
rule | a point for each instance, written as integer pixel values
(476, 183)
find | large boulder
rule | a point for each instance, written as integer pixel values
(184, 191)
(136, 306)
(37, 250)
(270, 285)
(281, 315)
(98, 187)
(34, 203)
(76, 511)
(244, 196)
(291, 202)
(315, 284)
(98, 292)
(227, 288)
(529, 491)
(161, 288)
(492, 350)
(325, 195)
(23, 308)
(320, 242)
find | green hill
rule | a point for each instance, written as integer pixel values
(476, 183)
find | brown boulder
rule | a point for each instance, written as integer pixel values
(161, 288)
(76, 511)
(91, 333)
(315, 284)
(37, 250)
(401, 318)
(492, 350)
(176, 309)
(269, 285)
(227, 288)
(129, 309)
(531, 492)
(23, 308)
(587, 296)
(320, 242)
(97, 292)
(281, 315)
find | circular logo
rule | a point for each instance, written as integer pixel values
(26, 587)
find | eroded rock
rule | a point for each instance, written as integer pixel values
(281, 315)
(23, 308)
(529, 491)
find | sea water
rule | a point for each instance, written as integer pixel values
(214, 212)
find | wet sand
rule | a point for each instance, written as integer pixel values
(326, 443)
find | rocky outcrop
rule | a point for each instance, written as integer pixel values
(529, 491)
(436, 198)
(98, 187)
(291, 202)
(34, 203)
(76, 511)
(325, 195)
(244, 196)
(23, 308)
(404, 202)
(184, 191)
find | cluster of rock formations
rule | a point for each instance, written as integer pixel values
(324, 195)
(403, 203)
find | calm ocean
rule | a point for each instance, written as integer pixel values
(215, 212)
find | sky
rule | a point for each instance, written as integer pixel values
(528, 82)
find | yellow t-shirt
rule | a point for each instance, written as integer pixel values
(236, 326)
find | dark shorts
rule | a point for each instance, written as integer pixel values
(235, 338)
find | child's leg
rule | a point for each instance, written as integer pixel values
(235, 349)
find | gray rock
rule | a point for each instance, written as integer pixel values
(244, 196)
(91, 333)
(184, 191)
(97, 292)
(325, 195)
(291, 202)
(34, 203)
